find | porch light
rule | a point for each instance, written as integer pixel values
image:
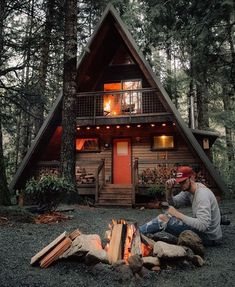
(128, 126)
(152, 125)
(88, 128)
(97, 128)
(163, 124)
(107, 127)
(138, 126)
(118, 127)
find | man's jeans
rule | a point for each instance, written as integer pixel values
(173, 226)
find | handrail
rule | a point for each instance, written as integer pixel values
(135, 179)
(98, 187)
(115, 92)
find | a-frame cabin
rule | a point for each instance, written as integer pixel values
(129, 133)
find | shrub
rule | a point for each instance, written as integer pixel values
(48, 191)
(156, 191)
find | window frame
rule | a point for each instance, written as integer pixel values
(89, 151)
(162, 148)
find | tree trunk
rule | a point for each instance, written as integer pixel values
(26, 127)
(69, 92)
(191, 98)
(202, 106)
(41, 86)
(168, 70)
(228, 128)
(4, 191)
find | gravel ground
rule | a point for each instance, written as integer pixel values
(19, 241)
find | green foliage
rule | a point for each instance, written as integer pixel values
(48, 191)
(156, 191)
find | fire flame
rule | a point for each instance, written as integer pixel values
(107, 106)
(125, 244)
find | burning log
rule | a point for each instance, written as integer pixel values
(125, 241)
(114, 250)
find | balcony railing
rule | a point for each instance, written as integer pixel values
(118, 103)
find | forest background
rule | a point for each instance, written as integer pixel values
(189, 44)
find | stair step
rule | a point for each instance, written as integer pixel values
(115, 195)
(115, 192)
(113, 204)
(115, 198)
(117, 186)
(116, 202)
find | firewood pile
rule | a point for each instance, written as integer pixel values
(43, 171)
(124, 245)
(84, 177)
(51, 218)
(52, 252)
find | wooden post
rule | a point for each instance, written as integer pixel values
(135, 179)
(97, 186)
(103, 171)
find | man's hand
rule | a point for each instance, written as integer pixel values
(170, 183)
(174, 212)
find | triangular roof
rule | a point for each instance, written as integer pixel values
(150, 76)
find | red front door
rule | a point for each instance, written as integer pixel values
(122, 161)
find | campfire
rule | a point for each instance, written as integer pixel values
(125, 241)
(123, 244)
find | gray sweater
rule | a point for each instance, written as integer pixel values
(205, 209)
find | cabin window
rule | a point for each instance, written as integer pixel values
(87, 145)
(123, 103)
(161, 142)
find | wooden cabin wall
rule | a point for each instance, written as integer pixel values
(141, 140)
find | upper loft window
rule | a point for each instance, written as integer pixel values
(87, 145)
(122, 57)
(117, 103)
(162, 142)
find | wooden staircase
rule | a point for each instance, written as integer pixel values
(115, 195)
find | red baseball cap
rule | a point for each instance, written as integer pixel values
(183, 172)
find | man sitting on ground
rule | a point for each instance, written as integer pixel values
(206, 214)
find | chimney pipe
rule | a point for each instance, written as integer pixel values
(192, 114)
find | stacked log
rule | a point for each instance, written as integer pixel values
(50, 253)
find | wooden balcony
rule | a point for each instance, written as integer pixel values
(118, 106)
